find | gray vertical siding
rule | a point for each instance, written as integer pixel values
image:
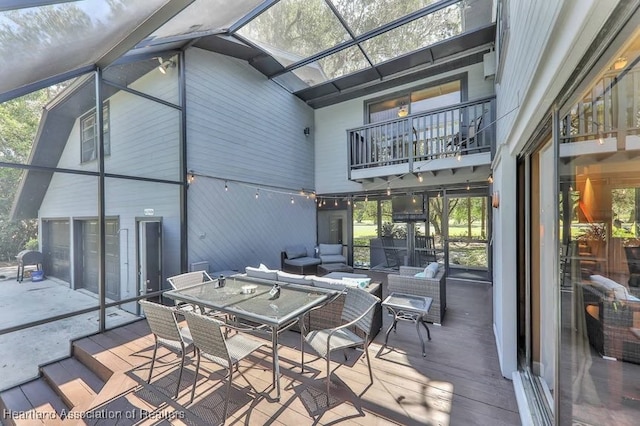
(243, 127)
(144, 142)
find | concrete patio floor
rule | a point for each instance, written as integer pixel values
(22, 352)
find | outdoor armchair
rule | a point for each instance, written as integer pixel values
(166, 332)
(358, 311)
(211, 344)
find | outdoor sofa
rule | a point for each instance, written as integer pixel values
(329, 315)
(612, 319)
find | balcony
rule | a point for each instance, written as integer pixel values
(461, 135)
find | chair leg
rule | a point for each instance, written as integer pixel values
(366, 351)
(153, 360)
(195, 379)
(301, 352)
(328, 376)
(180, 373)
(226, 401)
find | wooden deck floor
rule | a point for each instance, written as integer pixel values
(457, 383)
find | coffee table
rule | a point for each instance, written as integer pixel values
(407, 307)
(326, 268)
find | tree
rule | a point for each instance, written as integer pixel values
(19, 120)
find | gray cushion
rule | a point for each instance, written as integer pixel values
(302, 261)
(293, 278)
(333, 258)
(341, 275)
(293, 252)
(329, 283)
(330, 249)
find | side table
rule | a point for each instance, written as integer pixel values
(407, 307)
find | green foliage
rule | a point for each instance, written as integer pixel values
(19, 120)
(32, 244)
(14, 236)
(393, 230)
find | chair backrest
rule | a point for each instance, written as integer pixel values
(188, 279)
(391, 252)
(207, 335)
(356, 303)
(162, 320)
(633, 259)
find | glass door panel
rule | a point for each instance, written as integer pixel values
(467, 248)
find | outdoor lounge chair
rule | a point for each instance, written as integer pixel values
(211, 344)
(163, 324)
(358, 310)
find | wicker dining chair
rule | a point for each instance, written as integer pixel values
(211, 344)
(166, 332)
(185, 280)
(358, 311)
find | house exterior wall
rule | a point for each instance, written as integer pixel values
(332, 122)
(144, 143)
(545, 43)
(247, 131)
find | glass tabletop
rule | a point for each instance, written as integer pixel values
(258, 306)
(408, 302)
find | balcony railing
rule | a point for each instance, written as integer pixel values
(610, 109)
(461, 129)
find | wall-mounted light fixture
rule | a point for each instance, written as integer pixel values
(490, 178)
(620, 63)
(495, 200)
(307, 131)
(165, 65)
(403, 110)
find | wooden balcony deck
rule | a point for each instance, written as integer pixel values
(459, 381)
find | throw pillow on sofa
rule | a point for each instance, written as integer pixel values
(262, 272)
(431, 270)
(357, 282)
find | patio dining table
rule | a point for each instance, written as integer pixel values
(260, 310)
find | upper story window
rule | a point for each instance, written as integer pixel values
(416, 101)
(89, 135)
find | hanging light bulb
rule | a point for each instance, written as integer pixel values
(413, 199)
(292, 200)
(348, 201)
(459, 157)
(257, 193)
(420, 179)
(388, 188)
(438, 194)
(226, 187)
(324, 202)
(366, 198)
(335, 202)
(468, 187)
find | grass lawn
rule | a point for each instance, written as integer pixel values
(369, 230)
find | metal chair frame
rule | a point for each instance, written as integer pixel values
(210, 342)
(358, 310)
(166, 332)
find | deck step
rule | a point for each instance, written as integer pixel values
(33, 403)
(98, 359)
(73, 382)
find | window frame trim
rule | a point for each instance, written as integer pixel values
(106, 122)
